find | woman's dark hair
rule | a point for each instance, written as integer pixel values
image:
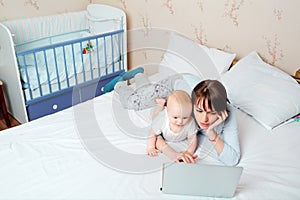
(213, 91)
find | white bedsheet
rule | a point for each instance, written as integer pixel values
(45, 158)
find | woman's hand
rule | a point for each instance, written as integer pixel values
(221, 117)
(186, 157)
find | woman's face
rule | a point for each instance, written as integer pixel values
(204, 115)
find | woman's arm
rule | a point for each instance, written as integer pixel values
(218, 143)
(213, 136)
(231, 152)
(227, 144)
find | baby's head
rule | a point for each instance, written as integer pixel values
(179, 107)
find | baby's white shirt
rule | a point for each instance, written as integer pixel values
(161, 125)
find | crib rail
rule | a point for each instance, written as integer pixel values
(63, 65)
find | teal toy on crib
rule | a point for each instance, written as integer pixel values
(297, 118)
(122, 77)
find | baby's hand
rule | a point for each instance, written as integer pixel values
(152, 151)
(186, 157)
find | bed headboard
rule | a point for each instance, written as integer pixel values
(297, 76)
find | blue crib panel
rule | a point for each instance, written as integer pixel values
(66, 98)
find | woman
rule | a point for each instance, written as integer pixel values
(216, 119)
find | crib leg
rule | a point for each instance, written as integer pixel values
(3, 106)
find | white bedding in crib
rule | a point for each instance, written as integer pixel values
(81, 77)
(46, 159)
(56, 65)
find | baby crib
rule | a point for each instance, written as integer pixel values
(53, 62)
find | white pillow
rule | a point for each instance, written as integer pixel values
(186, 56)
(266, 93)
(222, 59)
(187, 83)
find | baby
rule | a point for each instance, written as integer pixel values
(174, 124)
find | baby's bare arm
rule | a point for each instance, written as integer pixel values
(192, 144)
(151, 141)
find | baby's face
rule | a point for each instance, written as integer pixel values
(179, 115)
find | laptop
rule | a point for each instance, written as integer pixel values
(200, 179)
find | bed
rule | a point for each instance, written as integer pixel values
(53, 62)
(66, 156)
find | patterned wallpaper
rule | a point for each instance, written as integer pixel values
(240, 26)
(269, 27)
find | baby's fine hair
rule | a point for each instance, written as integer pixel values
(180, 96)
